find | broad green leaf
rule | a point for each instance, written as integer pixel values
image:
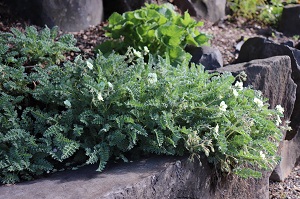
(115, 18)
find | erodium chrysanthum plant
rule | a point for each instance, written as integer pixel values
(92, 111)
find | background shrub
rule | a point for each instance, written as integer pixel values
(154, 28)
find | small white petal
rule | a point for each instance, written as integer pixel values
(99, 96)
(279, 109)
(239, 85)
(89, 65)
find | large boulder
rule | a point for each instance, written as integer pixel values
(212, 10)
(290, 21)
(68, 15)
(152, 178)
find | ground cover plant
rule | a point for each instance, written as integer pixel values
(91, 111)
(266, 12)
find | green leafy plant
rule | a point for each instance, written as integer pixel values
(267, 12)
(157, 29)
(34, 47)
(245, 8)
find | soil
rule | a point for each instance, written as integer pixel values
(226, 36)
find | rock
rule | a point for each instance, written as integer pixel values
(212, 10)
(209, 57)
(157, 177)
(290, 21)
(260, 48)
(289, 152)
(68, 15)
(272, 76)
(121, 6)
(288, 43)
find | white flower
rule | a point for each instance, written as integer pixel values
(262, 155)
(258, 102)
(278, 120)
(235, 93)
(137, 53)
(99, 96)
(223, 106)
(279, 109)
(68, 103)
(152, 78)
(216, 131)
(89, 65)
(239, 85)
(110, 86)
(146, 50)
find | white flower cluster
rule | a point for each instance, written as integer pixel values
(279, 109)
(152, 78)
(223, 106)
(239, 85)
(258, 102)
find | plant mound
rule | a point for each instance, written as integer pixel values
(57, 113)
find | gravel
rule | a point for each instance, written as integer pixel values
(226, 35)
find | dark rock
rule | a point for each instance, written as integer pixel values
(121, 6)
(272, 76)
(212, 10)
(68, 15)
(210, 58)
(297, 46)
(153, 178)
(288, 43)
(290, 21)
(260, 48)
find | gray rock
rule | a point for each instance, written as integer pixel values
(212, 10)
(272, 76)
(289, 152)
(211, 58)
(69, 15)
(260, 48)
(153, 178)
(290, 21)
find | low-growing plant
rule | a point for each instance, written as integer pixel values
(245, 8)
(34, 47)
(157, 29)
(90, 111)
(266, 12)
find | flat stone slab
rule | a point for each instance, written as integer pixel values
(86, 182)
(158, 177)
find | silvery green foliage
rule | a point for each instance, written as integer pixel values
(90, 111)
